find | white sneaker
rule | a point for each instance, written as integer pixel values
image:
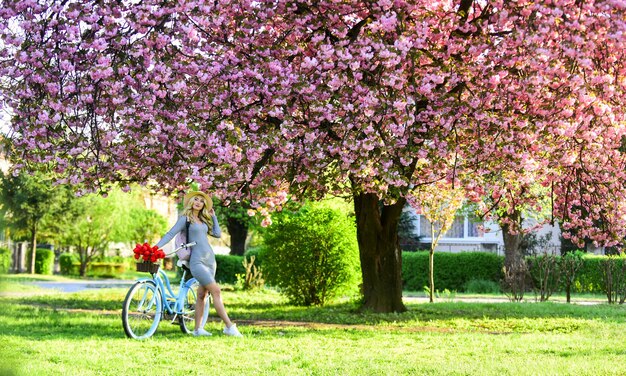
(232, 331)
(201, 332)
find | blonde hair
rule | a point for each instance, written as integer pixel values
(203, 215)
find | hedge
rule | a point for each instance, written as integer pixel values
(452, 270)
(5, 260)
(105, 269)
(66, 263)
(589, 277)
(44, 260)
(70, 265)
(228, 267)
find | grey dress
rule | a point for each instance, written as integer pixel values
(202, 262)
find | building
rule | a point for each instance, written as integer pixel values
(470, 234)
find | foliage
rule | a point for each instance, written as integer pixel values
(236, 215)
(590, 278)
(453, 270)
(92, 222)
(106, 269)
(532, 244)
(31, 206)
(5, 260)
(145, 225)
(481, 286)
(253, 277)
(228, 266)
(66, 261)
(439, 204)
(407, 230)
(311, 255)
(44, 260)
(337, 96)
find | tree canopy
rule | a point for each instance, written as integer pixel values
(260, 100)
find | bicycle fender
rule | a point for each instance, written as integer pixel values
(144, 280)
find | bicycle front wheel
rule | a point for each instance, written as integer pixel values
(142, 310)
(187, 316)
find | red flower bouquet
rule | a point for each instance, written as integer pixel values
(149, 254)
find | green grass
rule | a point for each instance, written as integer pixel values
(44, 332)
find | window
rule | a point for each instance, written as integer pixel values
(463, 227)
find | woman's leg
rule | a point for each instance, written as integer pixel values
(216, 294)
(201, 297)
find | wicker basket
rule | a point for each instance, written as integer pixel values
(149, 267)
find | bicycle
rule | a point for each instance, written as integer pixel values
(150, 300)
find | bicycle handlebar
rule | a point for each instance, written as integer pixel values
(181, 247)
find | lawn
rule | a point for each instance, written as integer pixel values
(45, 332)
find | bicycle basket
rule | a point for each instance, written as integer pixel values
(148, 267)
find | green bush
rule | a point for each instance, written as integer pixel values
(105, 269)
(44, 261)
(66, 263)
(228, 266)
(589, 277)
(482, 286)
(452, 271)
(5, 260)
(311, 255)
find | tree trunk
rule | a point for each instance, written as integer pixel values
(84, 260)
(381, 257)
(238, 231)
(33, 253)
(512, 253)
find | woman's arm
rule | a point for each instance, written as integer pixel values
(216, 231)
(178, 227)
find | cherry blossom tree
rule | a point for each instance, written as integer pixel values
(439, 203)
(262, 101)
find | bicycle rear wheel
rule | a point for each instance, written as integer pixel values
(186, 318)
(142, 310)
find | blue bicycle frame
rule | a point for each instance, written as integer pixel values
(173, 303)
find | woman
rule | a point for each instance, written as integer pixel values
(198, 209)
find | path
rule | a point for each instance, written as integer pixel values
(85, 285)
(74, 286)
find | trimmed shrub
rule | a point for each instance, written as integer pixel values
(228, 266)
(5, 260)
(66, 263)
(105, 269)
(311, 255)
(452, 271)
(482, 286)
(44, 261)
(589, 277)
